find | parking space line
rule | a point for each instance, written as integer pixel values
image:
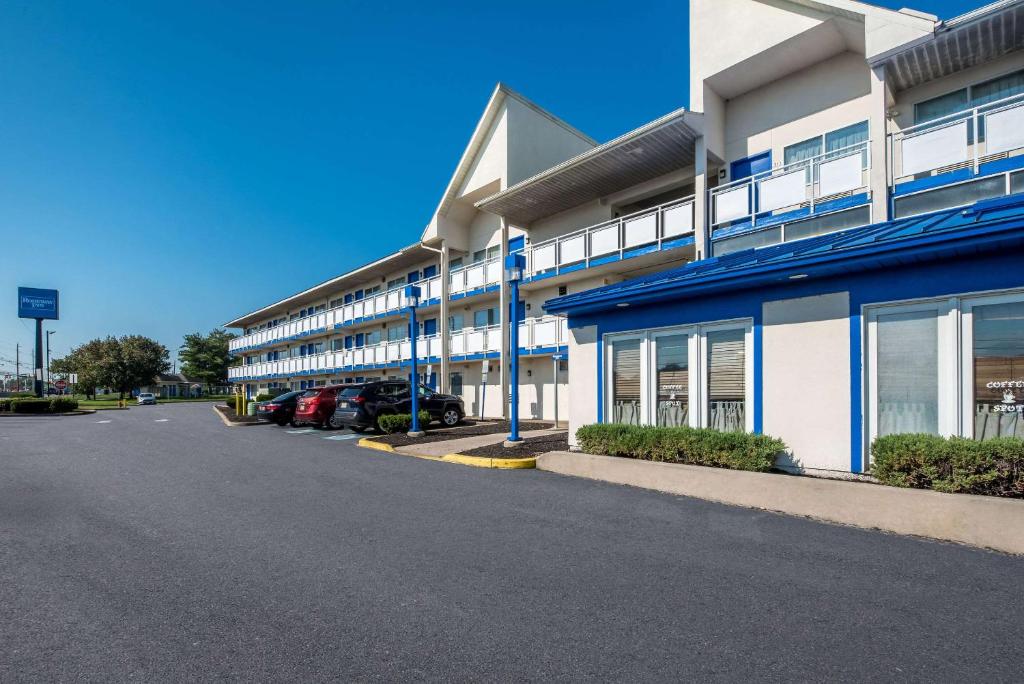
(160, 420)
(301, 432)
(342, 437)
(102, 421)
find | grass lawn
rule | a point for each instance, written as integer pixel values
(109, 401)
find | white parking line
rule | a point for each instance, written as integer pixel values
(102, 421)
(301, 432)
(160, 420)
(341, 437)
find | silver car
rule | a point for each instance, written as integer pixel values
(146, 398)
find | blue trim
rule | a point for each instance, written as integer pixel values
(600, 378)
(758, 387)
(857, 425)
(928, 182)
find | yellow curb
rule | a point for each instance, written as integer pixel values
(487, 462)
(370, 443)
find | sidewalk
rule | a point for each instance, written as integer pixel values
(985, 521)
(454, 446)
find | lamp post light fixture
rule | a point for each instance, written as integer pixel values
(514, 266)
(412, 300)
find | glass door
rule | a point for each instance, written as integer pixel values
(993, 367)
(625, 374)
(671, 386)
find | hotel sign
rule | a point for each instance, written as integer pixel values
(36, 303)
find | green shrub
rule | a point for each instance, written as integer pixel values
(401, 422)
(263, 396)
(695, 446)
(993, 467)
(44, 405)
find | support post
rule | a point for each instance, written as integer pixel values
(444, 381)
(38, 372)
(514, 266)
(503, 367)
(412, 298)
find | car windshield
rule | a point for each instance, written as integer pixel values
(310, 393)
(286, 396)
(351, 392)
(144, 395)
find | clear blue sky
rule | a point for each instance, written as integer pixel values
(152, 152)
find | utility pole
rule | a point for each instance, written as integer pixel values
(17, 367)
(48, 333)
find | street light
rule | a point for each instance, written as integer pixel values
(412, 300)
(48, 333)
(514, 265)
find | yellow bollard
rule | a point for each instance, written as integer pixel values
(238, 404)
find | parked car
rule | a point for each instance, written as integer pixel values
(280, 409)
(146, 398)
(359, 406)
(316, 406)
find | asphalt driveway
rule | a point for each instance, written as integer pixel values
(157, 544)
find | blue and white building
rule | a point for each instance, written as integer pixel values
(824, 246)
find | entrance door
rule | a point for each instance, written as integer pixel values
(750, 166)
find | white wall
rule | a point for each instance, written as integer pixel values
(583, 360)
(823, 98)
(806, 379)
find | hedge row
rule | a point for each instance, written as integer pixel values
(694, 446)
(994, 467)
(401, 422)
(34, 405)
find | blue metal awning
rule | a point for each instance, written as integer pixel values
(985, 226)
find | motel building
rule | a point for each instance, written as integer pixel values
(825, 246)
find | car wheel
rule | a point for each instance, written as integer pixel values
(293, 423)
(335, 423)
(281, 422)
(451, 416)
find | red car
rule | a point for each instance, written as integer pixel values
(316, 406)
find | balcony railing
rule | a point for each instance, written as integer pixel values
(613, 239)
(380, 354)
(475, 276)
(965, 139)
(538, 333)
(800, 185)
(383, 303)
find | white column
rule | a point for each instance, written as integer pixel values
(700, 200)
(443, 323)
(881, 102)
(506, 357)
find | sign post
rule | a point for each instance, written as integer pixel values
(41, 305)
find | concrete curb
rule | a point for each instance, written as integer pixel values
(983, 521)
(227, 422)
(461, 459)
(370, 443)
(488, 462)
(78, 412)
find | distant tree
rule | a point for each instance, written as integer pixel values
(206, 357)
(118, 363)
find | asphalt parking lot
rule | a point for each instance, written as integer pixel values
(158, 544)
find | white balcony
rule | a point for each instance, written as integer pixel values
(965, 140)
(801, 186)
(538, 333)
(475, 276)
(612, 240)
(389, 353)
(380, 304)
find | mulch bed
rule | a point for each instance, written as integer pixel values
(530, 446)
(467, 429)
(229, 413)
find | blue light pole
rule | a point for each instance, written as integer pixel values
(412, 299)
(514, 265)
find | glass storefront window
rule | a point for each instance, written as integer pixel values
(726, 381)
(907, 374)
(673, 377)
(626, 381)
(998, 361)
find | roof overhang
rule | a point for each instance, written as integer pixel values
(407, 256)
(987, 226)
(971, 39)
(662, 146)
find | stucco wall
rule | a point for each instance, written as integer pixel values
(806, 378)
(583, 371)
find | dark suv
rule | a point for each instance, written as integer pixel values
(358, 406)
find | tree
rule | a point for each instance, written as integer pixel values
(118, 363)
(206, 357)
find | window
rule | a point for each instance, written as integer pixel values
(946, 367)
(967, 98)
(454, 264)
(373, 337)
(486, 317)
(337, 344)
(726, 386)
(396, 283)
(455, 383)
(649, 379)
(398, 332)
(455, 322)
(802, 151)
(833, 141)
(335, 303)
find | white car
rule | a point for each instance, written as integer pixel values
(147, 398)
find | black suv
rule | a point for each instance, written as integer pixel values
(358, 406)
